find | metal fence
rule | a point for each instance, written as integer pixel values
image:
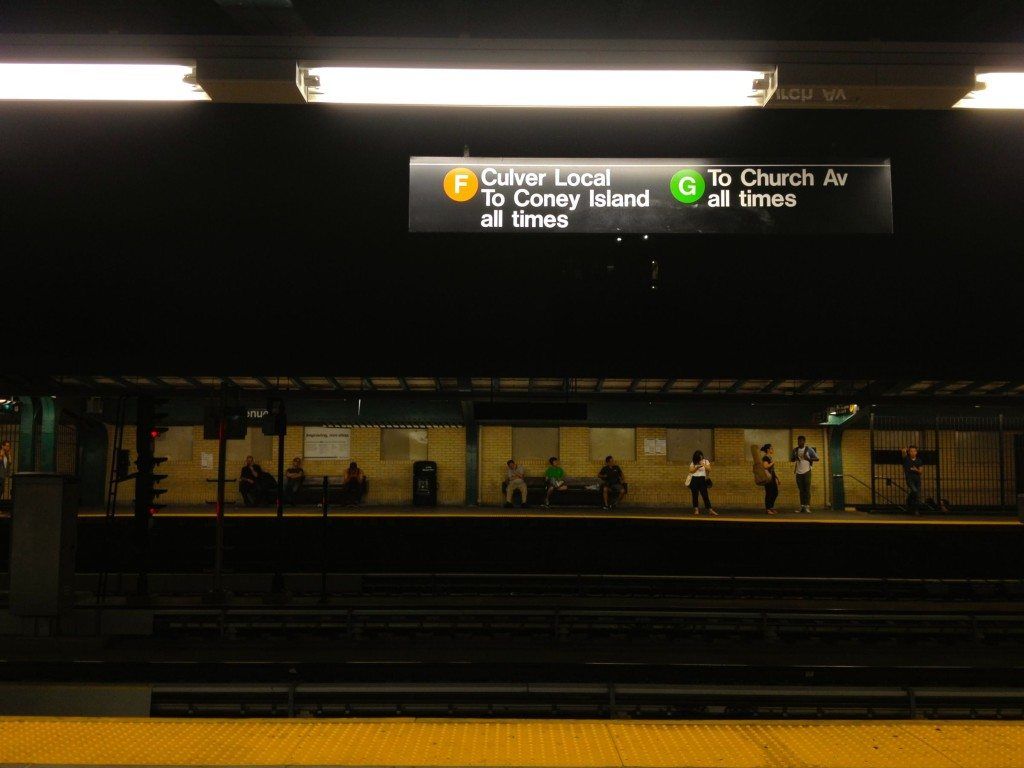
(9, 430)
(68, 447)
(968, 461)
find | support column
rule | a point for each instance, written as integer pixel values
(92, 470)
(835, 462)
(27, 435)
(472, 454)
(48, 435)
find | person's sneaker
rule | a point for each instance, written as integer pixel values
(605, 507)
(546, 505)
(712, 512)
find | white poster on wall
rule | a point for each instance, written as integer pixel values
(326, 443)
(654, 446)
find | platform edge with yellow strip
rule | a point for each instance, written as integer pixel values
(423, 743)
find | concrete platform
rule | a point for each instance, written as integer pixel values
(741, 515)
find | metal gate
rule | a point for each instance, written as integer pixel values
(67, 443)
(966, 463)
(9, 431)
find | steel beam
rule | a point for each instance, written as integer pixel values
(807, 386)
(1003, 388)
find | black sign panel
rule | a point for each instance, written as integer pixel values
(688, 195)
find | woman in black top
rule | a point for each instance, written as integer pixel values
(250, 482)
(771, 488)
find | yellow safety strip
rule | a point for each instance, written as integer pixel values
(511, 743)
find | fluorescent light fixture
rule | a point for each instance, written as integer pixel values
(535, 87)
(995, 90)
(99, 82)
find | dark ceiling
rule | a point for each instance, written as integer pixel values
(217, 239)
(886, 20)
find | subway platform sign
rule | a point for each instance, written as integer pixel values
(686, 195)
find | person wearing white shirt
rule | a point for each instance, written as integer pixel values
(516, 482)
(699, 481)
(803, 458)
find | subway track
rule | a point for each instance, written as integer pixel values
(537, 646)
(479, 545)
(568, 618)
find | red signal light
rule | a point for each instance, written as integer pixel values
(154, 433)
(152, 511)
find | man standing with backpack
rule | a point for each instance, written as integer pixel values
(803, 457)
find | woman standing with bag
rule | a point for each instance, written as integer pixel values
(698, 482)
(771, 488)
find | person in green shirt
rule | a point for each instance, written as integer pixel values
(555, 476)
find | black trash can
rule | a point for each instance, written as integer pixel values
(424, 484)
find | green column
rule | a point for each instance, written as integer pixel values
(27, 435)
(92, 469)
(837, 424)
(47, 435)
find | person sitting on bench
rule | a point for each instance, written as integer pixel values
(516, 482)
(294, 476)
(612, 479)
(354, 483)
(555, 476)
(250, 482)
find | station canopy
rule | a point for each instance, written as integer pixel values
(538, 387)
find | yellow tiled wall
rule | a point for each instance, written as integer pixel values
(857, 464)
(653, 480)
(390, 481)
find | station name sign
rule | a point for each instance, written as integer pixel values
(686, 195)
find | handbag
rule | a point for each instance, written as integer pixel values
(708, 481)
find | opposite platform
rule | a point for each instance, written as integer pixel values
(519, 743)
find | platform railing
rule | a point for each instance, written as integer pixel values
(888, 501)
